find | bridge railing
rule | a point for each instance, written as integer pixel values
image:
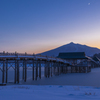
(25, 55)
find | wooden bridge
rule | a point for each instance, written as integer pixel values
(52, 66)
(20, 63)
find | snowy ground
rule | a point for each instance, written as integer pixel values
(49, 92)
(82, 86)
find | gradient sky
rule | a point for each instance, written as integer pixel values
(35, 26)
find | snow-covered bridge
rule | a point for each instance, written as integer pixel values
(17, 61)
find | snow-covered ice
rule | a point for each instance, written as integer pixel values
(49, 92)
(70, 86)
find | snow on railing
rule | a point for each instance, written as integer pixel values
(25, 55)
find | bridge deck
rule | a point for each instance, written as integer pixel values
(18, 64)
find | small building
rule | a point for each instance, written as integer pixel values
(78, 60)
(73, 57)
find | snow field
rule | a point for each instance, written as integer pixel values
(49, 92)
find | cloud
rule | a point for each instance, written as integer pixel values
(88, 3)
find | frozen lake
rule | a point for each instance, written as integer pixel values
(80, 79)
(11, 74)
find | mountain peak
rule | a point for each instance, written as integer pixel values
(71, 43)
(72, 47)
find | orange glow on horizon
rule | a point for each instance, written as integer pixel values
(41, 50)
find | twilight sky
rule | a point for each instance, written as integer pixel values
(35, 26)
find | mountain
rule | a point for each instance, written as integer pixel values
(72, 47)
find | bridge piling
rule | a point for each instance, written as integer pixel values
(45, 69)
(3, 71)
(40, 69)
(17, 70)
(59, 68)
(48, 69)
(36, 70)
(51, 68)
(65, 68)
(25, 70)
(6, 71)
(54, 68)
(33, 70)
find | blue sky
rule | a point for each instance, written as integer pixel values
(35, 26)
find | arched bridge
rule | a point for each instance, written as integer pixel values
(24, 66)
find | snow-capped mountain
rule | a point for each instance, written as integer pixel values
(72, 47)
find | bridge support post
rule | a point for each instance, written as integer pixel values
(15, 70)
(57, 68)
(86, 69)
(54, 66)
(3, 71)
(6, 71)
(79, 69)
(25, 70)
(18, 70)
(48, 69)
(63, 68)
(67, 68)
(36, 70)
(33, 70)
(40, 69)
(51, 68)
(71, 69)
(45, 69)
(75, 69)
